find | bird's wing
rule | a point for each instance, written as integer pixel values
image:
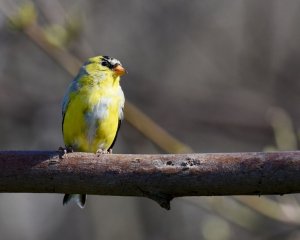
(113, 143)
(73, 87)
(121, 115)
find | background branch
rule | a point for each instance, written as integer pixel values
(159, 177)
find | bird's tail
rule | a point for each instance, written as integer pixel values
(80, 199)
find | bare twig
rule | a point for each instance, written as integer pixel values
(159, 177)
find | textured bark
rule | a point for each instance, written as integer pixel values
(159, 177)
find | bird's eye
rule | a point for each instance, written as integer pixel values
(104, 63)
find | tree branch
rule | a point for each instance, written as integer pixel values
(159, 177)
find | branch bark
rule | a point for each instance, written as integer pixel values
(159, 177)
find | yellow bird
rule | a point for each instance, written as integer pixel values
(92, 110)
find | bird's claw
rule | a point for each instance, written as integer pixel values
(101, 151)
(64, 151)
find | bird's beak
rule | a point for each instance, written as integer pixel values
(119, 70)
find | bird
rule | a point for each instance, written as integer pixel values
(92, 110)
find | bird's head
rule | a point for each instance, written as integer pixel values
(104, 65)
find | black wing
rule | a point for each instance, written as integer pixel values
(113, 143)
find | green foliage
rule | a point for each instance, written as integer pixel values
(62, 35)
(25, 16)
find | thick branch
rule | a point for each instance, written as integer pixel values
(159, 177)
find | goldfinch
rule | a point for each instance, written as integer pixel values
(92, 110)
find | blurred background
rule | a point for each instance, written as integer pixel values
(221, 76)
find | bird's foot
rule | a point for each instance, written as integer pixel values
(64, 151)
(101, 151)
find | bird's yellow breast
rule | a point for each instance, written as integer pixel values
(91, 117)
